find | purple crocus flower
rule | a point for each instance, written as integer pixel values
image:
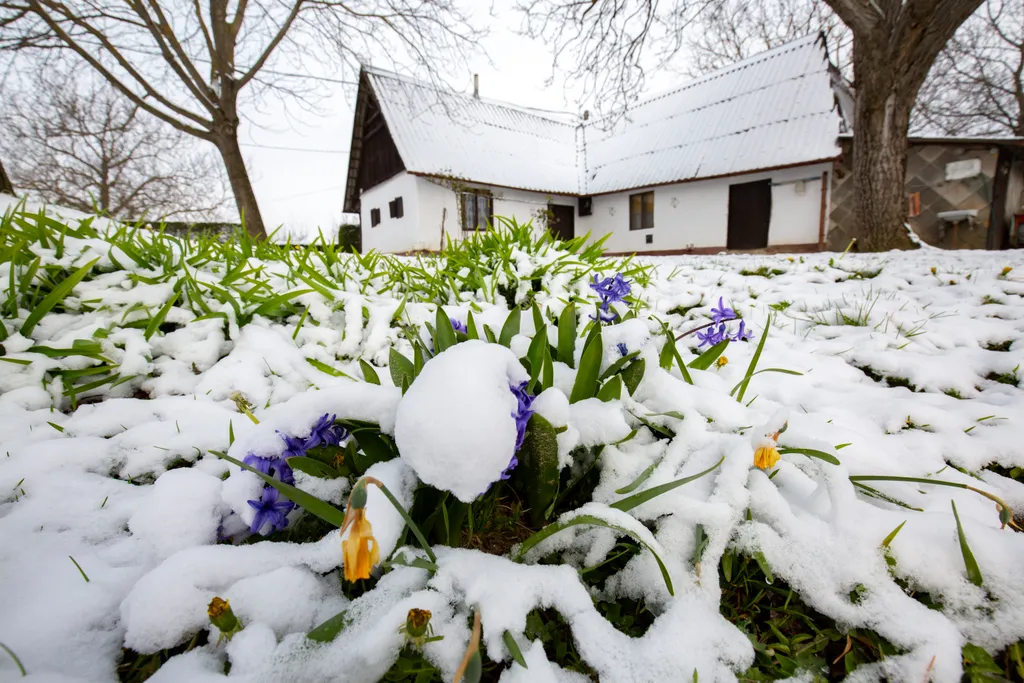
(522, 416)
(712, 335)
(269, 509)
(459, 326)
(622, 349)
(722, 313)
(742, 334)
(294, 447)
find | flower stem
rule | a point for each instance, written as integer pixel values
(696, 329)
(408, 520)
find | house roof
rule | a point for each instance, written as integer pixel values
(772, 110)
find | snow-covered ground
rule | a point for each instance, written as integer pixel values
(910, 365)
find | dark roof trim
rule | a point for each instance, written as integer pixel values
(1010, 141)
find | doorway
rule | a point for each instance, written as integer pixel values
(750, 213)
(562, 221)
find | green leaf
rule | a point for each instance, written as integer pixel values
(633, 501)
(471, 330)
(753, 360)
(612, 390)
(313, 467)
(811, 453)
(973, 571)
(408, 521)
(762, 562)
(513, 649)
(511, 327)
(892, 535)
(55, 297)
(743, 382)
(329, 630)
(704, 360)
(369, 374)
(325, 368)
(489, 333)
(590, 368)
(157, 320)
(540, 328)
(401, 368)
(644, 476)
(17, 662)
(567, 335)
(538, 467)
(618, 364)
(444, 333)
(306, 501)
(375, 449)
(272, 304)
(633, 375)
(590, 520)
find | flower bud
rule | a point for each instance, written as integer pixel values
(416, 622)
(222, 617)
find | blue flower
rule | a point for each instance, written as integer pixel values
(274, 467)
(606, 316)
(294, 447)
(611, 289)
(742, 334)
(269, 509)
(722, 313)
(512, 464)
(622, 349)
(459, 326)
(325, 432)
(712, 335)
(522, 416)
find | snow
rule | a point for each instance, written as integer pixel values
(454, 426)
(127, 483)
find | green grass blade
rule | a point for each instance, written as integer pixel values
(590, 520)
(513, 649)
(753, 360)
(17, 662)
(306, 501)
(55, 297)
(973, 571)
(811, 453)
(633, 501)
(704, 360)
(157, 320)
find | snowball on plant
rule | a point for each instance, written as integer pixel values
(455, 426)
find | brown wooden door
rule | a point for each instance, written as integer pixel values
(562, 221)
(750, 212)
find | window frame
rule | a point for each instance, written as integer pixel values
(643, 213)
(396, 208)
(374, 218)
(476, 194)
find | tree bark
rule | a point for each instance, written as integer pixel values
(238, 176)
(882, 116)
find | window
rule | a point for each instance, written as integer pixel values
(395, 208)
(374, 218)
(477, 209)
(641, 211)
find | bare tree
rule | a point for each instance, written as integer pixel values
(736, 29)
(976, 86)
(186, 62)
(895, 43)
(89, 148)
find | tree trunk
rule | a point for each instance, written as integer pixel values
(238, 176)
(880, 159)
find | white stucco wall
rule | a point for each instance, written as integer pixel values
(701, 213)
(393, 235)
(439, 202)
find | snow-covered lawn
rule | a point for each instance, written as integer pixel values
(121, 519)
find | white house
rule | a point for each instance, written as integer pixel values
(738, 159)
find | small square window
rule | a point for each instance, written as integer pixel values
(641, 211)
(374, 218)
(395, 209)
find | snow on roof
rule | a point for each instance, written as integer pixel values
(443, 133)
(772, 110)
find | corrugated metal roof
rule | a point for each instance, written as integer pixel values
(448, 134)
(774, 109)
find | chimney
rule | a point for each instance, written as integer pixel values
(476, 86)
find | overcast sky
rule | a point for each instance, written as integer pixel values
(303, 187)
